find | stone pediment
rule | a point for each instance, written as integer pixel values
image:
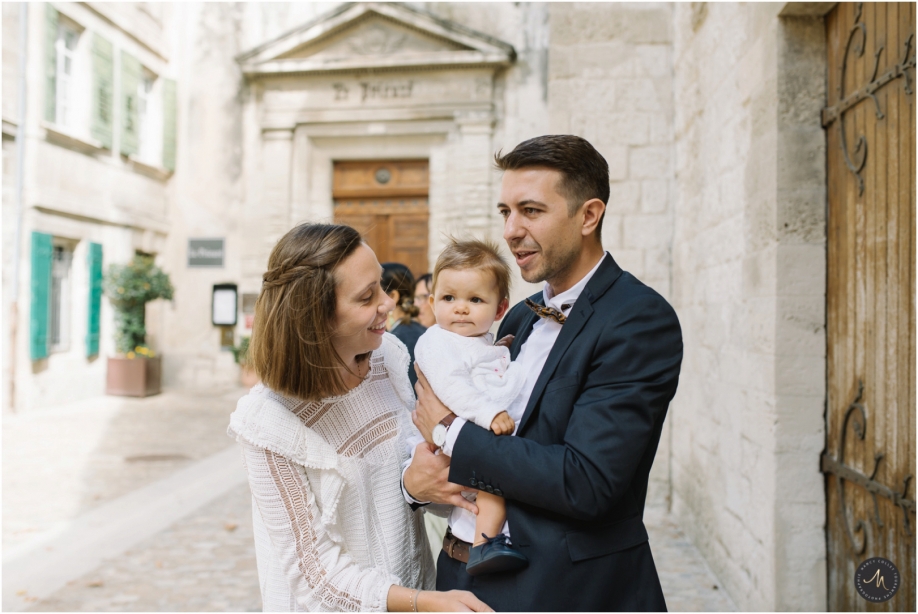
(375, 36)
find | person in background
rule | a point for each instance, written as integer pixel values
(398, 283)
(422, 300)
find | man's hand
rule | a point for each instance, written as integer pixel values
(429, 410)
(502, 424)
(505, 341)
(427, 479)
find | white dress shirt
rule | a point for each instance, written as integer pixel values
(531, 358)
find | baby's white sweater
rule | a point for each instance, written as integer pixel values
(473, 377)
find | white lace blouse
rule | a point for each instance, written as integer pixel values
(332, 530)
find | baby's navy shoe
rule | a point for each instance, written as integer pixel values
(495, 555)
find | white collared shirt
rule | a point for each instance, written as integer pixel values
(531, 358)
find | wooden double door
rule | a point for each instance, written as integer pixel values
(386, 201)
(869, 460)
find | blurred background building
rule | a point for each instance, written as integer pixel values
(198, 133)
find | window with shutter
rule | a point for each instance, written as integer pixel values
(41, 290)
(169, 124)
(61, 293)
(94, 325)
(102, 90)
(65, 84)
(130, 108)
(151, 121)
(51, 21)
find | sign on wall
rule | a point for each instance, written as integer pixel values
(224, 305)
(205, 253)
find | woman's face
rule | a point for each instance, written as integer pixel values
(360, 316)
(422, 300)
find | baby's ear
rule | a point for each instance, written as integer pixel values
(502, 308)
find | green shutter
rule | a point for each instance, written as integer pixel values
(50, 63)
(94, 262)
(130, 112)
(103, 77)
(169, 124)
(41, 294)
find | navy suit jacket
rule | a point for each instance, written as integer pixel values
(575, 476)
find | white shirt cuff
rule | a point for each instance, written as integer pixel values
(452, 434)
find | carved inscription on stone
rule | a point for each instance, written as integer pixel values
(379, 90)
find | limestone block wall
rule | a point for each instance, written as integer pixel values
(748, 284)
(610, 81)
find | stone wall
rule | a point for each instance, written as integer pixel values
(610, 81)
(748, 284)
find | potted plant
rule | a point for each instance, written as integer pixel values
(247, 375)
(137, 370)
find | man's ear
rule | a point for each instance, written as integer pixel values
(592, 211)
(502, 308)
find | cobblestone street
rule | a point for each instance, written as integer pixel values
(141, 505)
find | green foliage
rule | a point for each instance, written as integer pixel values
(130, 287)
(241, 351)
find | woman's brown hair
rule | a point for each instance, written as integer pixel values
(291, 347)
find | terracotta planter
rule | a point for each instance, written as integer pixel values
(134, 377)
(247, 376)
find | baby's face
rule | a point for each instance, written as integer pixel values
(467, 302)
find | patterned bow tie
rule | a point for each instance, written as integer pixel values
(548, 312)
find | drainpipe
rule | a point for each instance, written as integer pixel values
(20, 205)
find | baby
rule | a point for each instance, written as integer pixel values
(471, 375)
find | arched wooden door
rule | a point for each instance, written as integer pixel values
(386, 201)
(869, 460)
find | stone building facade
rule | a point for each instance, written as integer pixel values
(706, 113)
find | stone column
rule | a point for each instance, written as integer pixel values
(469, 208)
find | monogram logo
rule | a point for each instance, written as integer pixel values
(877, 579)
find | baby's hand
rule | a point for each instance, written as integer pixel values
(502, 424)
(505, 341)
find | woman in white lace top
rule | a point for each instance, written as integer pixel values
(325, 437)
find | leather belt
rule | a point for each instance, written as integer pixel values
(455, 548)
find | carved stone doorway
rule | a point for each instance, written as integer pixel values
(870, 313)
(386, 201)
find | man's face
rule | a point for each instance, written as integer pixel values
(543, 239)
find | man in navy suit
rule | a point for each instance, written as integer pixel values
(603, 353)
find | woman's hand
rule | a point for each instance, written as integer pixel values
(505, 341)
(450, 601)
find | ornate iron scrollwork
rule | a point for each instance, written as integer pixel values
(856, 415)
(858, 36)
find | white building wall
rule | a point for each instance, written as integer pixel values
(748, 284)
(75, 189)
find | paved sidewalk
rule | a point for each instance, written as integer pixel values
(77, 479)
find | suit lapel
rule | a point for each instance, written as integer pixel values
(607, 273)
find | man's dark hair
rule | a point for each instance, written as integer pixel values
(584, 172)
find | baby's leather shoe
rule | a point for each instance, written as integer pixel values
(495, 555)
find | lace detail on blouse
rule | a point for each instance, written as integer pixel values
(332, 530)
